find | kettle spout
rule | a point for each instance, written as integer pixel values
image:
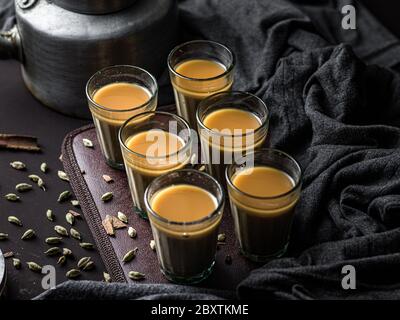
(10, 44)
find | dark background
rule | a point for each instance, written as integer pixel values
(20, 113)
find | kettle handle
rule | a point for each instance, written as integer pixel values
(10, 44)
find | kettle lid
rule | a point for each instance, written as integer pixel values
(94, 6)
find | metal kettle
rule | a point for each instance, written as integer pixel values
(61, 43)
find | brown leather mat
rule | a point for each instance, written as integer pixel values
(90, 186)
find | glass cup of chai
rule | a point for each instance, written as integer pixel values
(114, 95)
(153, 143)
(230, 125)
(185, 208)
(197, 70)
(264, 188)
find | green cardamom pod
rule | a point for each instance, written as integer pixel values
(88, 266)
(75, 234)
(86, 245)
(106, 277)
(221, 237)
(50, 215)
(62, 175)
(18, 165)
(43, 167)
(53, 240)
(11, 197)
(135, 275)
(61, 261)
(65, 195)
(87, 143)
(14, 220)
(67, 252)
(132, 232)
(129, 255)
(41, 184)
(16, 263)
(53, 251)
(70, 218)
(83, 261)
(34, 267)
(107, 196)
(75, 203)
(34, 177)
(153, 245)
(121, 216)
(61, 231)
(73, 273)
(28, 234)
(22, 187)
(3, 236)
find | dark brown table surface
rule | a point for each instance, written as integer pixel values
(387, 12)
(21, 113)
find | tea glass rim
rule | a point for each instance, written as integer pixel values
(231, 93)
(99, 106)
(215, 212)
(228, 70)
(253, 154)
(140, 155)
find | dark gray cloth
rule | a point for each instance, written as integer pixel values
(339, 115)
(7, 18)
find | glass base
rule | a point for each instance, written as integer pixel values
(188, 280)
(259, 258)
(115, 165)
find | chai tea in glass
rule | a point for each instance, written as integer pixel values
(115, 94)
(185, 209)
(230, 125)
(153, 144)
(197, 70)
(263, 198)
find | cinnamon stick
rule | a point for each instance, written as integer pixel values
(19, 142)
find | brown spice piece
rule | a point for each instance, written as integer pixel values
(9, 254)
(75, 214)
(118, 224)
(107, 178)
(19, 142)
(108, 225)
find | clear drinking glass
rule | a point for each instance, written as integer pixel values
(263, 224)
(221, 148)
(186, 250)
(142, 169)
(108, 121)
(190, 91)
